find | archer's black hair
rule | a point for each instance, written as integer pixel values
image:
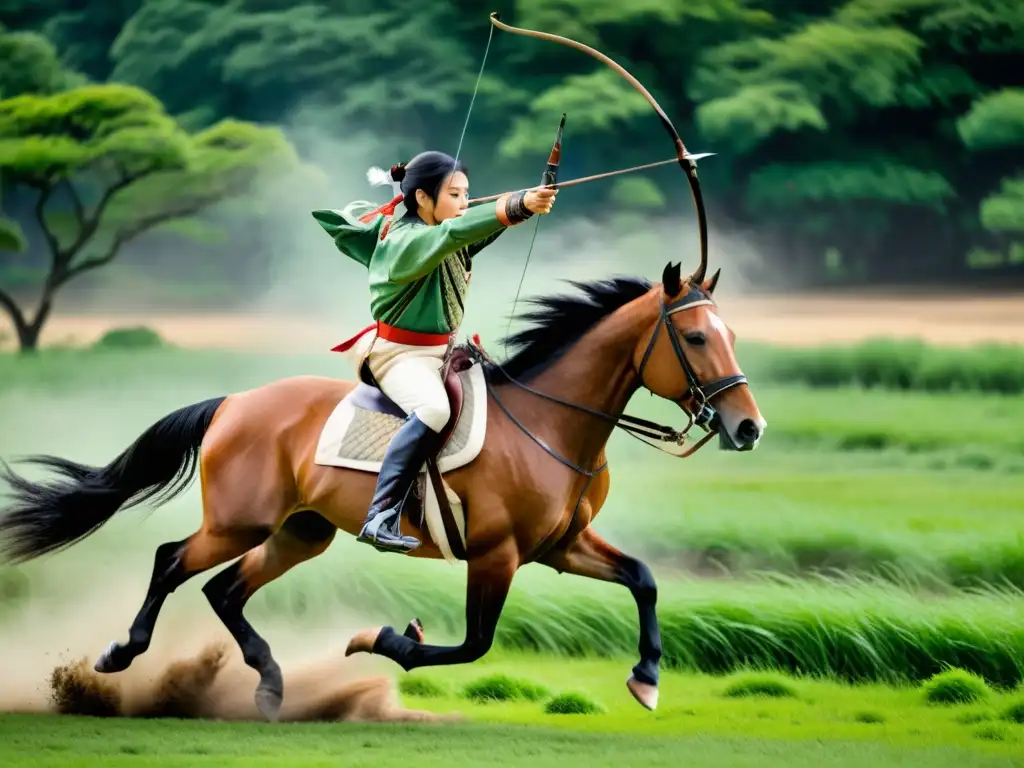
(426, 171)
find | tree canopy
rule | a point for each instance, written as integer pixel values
(122, 166)
(889, 131)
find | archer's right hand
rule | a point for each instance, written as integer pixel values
(540, 200)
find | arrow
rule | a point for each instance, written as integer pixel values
(596, 177)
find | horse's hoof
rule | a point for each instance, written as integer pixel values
(415, 630)
(363, 642)
(108, 662)
(645, 693)
(268, 702)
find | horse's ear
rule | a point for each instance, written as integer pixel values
(671, 279)
(709, 285)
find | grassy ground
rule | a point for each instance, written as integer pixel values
(49, 742)
(697, 723)
(922, 490)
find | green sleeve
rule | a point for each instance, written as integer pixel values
(412, 252)
(351, 236)
(479, 245)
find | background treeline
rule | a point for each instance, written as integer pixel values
(864, 141)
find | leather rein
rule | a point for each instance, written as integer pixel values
(694, 400)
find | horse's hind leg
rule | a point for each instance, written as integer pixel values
(489, 579)
(175, 563)
(303, 536)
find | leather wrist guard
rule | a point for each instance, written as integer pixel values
(515, 208)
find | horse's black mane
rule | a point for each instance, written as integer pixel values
(559, 320)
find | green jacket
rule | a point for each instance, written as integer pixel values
(418, 273)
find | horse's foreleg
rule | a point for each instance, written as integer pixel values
(303, 536)
(591, 556)
(175, 563)
(488, 582)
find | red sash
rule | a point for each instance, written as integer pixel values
(397, 335)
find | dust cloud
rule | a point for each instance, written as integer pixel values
(193, 668)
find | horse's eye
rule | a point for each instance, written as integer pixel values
(696, 339)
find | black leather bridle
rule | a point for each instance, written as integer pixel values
(694, 401)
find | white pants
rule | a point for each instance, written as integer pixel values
(411, 376)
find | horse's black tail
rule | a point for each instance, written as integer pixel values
(47, 517)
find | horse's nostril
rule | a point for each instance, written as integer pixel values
(748, 431)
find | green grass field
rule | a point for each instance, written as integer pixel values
(910, 502)
(698, 722)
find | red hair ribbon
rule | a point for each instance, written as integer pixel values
(387, 209)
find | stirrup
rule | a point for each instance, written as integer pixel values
(378, 533)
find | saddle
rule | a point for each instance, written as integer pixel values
(368, 395)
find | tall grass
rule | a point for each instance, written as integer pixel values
(904, 365)
(971, 562)
(855, 631)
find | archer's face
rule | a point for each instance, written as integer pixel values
(452, 200)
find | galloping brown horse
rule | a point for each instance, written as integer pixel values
(529, 496)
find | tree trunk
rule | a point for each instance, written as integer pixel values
(28, 338)
(29, 332)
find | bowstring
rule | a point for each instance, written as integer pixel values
(522, 277)
(472, 100)
(458, 151)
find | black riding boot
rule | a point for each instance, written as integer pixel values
(409, 448)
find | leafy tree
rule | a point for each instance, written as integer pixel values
(261, 60)
(980, 26)
(995, 126)
(123, 167)
(85, 31)
(1004, 211)
(31, 65)
(995, 121)
(882, 130)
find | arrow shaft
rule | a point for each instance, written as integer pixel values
(581, 180)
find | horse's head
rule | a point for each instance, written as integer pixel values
(687, 356)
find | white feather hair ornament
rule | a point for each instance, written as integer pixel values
(378, 177)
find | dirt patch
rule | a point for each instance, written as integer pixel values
(211, 685)
(77, 690)
(193, 667)
(801, 319)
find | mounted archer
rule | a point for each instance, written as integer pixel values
(531, 473)
(419, 267)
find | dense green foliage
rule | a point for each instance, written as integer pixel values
(135, 338)
(902, 365)
(571, 704)
(1014, 713)
(759, 684)
(955, 686)
(423, 687)
(858, 140)
(504, 688)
